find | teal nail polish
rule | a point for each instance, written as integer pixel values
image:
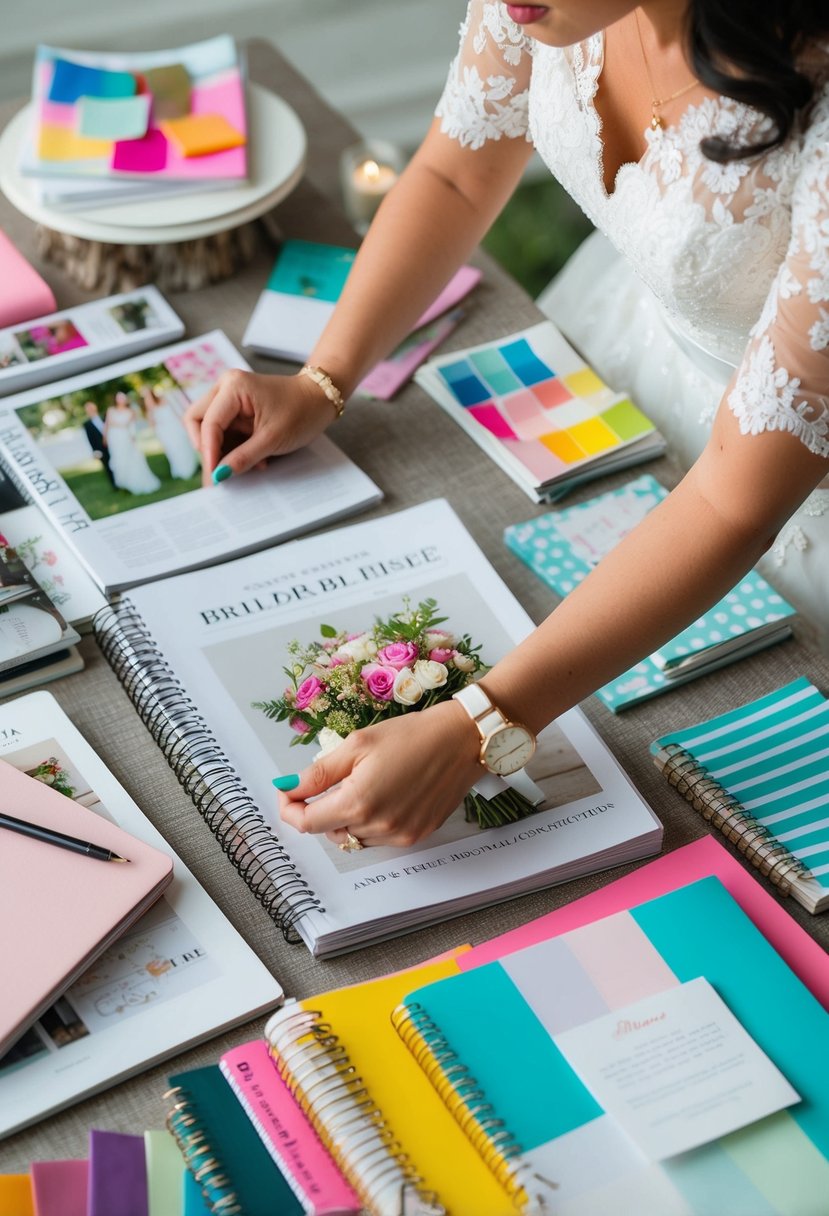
(289, 782)
(221, 473)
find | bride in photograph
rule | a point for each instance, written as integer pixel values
(130, 470)
(169, 429)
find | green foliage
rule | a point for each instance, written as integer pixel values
(67, 410)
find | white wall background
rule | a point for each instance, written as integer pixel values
(382, 62)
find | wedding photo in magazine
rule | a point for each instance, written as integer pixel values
(234, 638)
(178, 975)
(107, 458)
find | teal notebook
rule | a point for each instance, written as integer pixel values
(489, 1041)
(760, 774)
(562, 547)
(222, 1149)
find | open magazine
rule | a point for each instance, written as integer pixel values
(179, 975)
(106, 457)
(218, 640)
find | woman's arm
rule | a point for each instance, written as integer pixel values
(400, 780)
(425, 229)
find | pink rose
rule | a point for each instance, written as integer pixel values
(441, 654)
(299, 726)
(398, 655)
(379, 680)
(50, 557)
(308, 689)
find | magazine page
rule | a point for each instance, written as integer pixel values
(106, 456)
(228, 635)
(179, 975)
(31, 624)
(74, 339)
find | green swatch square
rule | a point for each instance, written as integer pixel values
(627, 421)
(114, 117)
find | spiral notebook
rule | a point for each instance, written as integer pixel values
(464, 1102)
(200, 652)
(760, 774)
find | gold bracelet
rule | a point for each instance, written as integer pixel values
(321, 377)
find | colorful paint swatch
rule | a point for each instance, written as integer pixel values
(538, 459)
(495, 370)
(593, 436)
(170, 88)
(464, 384)
(147, 155)
(552, 393)
(562, 445)
(525, 415)
(114, 117)
(202, 134)
(71, 81)
(491, 417)
(627, 421)
(525, 362)
(63, 144)
(584, 383)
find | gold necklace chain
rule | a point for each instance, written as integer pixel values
(657, 103)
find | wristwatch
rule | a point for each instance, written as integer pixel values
(505, 746)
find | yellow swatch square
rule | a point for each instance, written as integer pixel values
(201, 134)
(561, 445)
(61, 143)
(594, 436)
(584, 383)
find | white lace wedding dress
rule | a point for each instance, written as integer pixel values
(130, 470)
(696, 268)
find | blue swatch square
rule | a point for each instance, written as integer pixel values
(525, 363)
(465, 385)
(73, 80)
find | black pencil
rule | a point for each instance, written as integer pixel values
(49, 836)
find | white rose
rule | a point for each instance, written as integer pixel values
(361, 649)
(436, 639)
(430, 674)
(464, 662)
(328, 739)
(407, 688)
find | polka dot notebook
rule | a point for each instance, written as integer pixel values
(562, 547)
(539, 411)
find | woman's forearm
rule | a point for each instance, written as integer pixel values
(408, 256)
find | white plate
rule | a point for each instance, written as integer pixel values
(276, 152)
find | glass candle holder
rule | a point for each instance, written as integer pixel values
(368, 171)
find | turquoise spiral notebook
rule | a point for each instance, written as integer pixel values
(562, 547)
(760, 774)
(496, 1043)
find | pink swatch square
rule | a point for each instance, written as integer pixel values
(491, 417)
(525, 415)
(552, 393)
(147, 155)
(534, 456)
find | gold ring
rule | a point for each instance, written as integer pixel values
(351, 844)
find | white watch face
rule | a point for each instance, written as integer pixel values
(507, 749)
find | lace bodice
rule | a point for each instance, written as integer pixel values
(737, 254)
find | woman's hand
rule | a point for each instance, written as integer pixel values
(395, 782)
(247, 417)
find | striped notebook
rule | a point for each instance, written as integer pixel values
(760, 774)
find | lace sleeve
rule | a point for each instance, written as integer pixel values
(783, 381)
(486, 92)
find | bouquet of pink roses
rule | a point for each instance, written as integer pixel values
(403, 664)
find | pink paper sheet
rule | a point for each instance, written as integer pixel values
(684, 865)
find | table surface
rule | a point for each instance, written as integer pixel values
(435, 460)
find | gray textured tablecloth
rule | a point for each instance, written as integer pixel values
(423, 454)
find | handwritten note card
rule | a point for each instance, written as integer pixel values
(676, 1070)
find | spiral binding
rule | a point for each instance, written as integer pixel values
(729, 816)
(202, 768)
(202, 1160)
(315, 1066)
(467, 1102)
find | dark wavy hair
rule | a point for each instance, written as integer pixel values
(748, 50)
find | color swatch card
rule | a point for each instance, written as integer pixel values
(303, 289)
(533, 404)
(562, 547)
(174, 116)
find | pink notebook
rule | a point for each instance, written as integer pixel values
(804, 955)
(60, 909)
(24, 294)
(60, 1187)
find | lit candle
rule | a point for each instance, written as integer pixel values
(368, 173)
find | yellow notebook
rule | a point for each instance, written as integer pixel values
(373, 1107)
(16, 1195)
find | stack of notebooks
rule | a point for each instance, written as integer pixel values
(533, 405)
(675, 1015)
(111, 127)
(562, 547)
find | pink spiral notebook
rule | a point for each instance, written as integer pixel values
(62, 909)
